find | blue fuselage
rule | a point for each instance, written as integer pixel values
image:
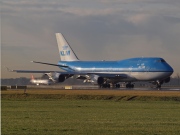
(133, 65)
(134, 68)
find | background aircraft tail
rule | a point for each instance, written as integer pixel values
(32, 77)
(65, 51)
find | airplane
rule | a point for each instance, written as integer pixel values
(40, 81)
(106, 74)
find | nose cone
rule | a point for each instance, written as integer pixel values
(165, 66)
(169, 69)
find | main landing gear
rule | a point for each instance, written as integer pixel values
(129, 85)
(117, 85)
(105, 85)
(108, 85)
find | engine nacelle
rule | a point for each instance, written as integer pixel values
(61, 78)
(95, 79)
(56, 77)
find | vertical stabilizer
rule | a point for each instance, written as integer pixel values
(32, 77)
(65, 51)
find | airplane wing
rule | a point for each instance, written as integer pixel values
(70, 73)
(39, 71)
(106, 75)
(36, 71)
(49, 64)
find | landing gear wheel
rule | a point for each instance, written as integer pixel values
(129, 85)
(117, 85)
(104, 85)
(158, 86)
(108, 85)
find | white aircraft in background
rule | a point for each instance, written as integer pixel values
(40, 81)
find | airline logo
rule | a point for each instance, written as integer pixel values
(65, 47)
(66, 51)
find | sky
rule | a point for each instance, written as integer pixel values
(96, 30)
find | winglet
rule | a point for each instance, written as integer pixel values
(8, 69)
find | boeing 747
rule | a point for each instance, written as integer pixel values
(106, 73)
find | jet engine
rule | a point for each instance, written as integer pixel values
(61, 78)
(95, 79)
(56, 77)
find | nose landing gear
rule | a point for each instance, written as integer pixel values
(105, 85)
(108, 85)
(158, 84)
(117, 85)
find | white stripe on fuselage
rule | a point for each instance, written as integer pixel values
(137, 76)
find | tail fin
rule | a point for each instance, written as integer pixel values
(65, 50)
(32, 77)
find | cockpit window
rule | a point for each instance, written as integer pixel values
(161, 60)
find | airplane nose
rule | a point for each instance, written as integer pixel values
(170, 69)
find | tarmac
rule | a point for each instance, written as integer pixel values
(92, 87)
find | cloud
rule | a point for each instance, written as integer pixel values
(139, 18)
(96, 30)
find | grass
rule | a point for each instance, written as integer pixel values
(32, 114)
(95, 92)
(93, 95)
(57, 117)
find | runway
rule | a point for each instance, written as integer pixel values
(95, 93)
(92, 87)
(150, 89)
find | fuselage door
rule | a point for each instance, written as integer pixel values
(147, 69)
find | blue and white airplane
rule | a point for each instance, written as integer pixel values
(106, 73)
